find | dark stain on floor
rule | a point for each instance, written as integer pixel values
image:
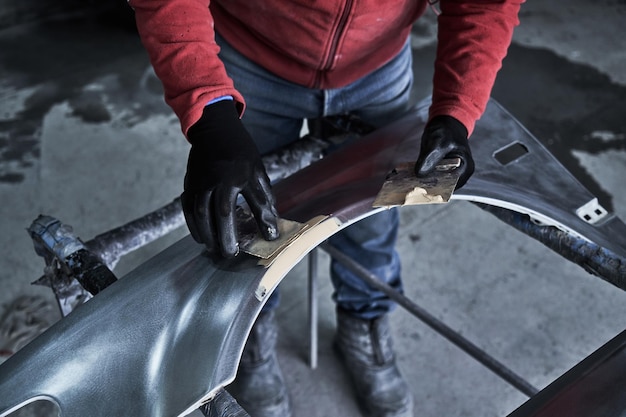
(565, 105)
(61, 61)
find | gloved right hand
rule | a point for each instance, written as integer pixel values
(445, 137)
(223, 163)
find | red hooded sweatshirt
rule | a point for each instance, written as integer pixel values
(322, 44)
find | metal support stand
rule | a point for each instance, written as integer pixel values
(80, 270)
(313, 308)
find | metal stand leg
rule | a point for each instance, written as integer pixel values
(312, 259)
(481, 356)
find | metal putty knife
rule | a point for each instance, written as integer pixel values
(403, 188)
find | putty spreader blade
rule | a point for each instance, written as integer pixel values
(403, 188)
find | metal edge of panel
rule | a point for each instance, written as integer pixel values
(598, 372)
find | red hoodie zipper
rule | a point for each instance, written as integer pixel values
(330, 58)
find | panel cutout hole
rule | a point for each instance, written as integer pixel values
(510, 153)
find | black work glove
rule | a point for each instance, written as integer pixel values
(223, 163)
(445, 137)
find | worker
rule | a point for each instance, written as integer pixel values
(242, 76)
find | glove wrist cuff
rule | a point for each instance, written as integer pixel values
(214, 117)
(449, 123)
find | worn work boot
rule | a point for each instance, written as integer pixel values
(366, 349)
(259, 386)
(223, 405)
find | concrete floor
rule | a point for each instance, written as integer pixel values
(86, 138)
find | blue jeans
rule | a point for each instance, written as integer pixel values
(274, 115)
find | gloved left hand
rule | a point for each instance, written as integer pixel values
(445, 137)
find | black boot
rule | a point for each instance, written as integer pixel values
(259, 386)
(223, 405)
(366, 350)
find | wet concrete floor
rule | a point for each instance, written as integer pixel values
(85, 137)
